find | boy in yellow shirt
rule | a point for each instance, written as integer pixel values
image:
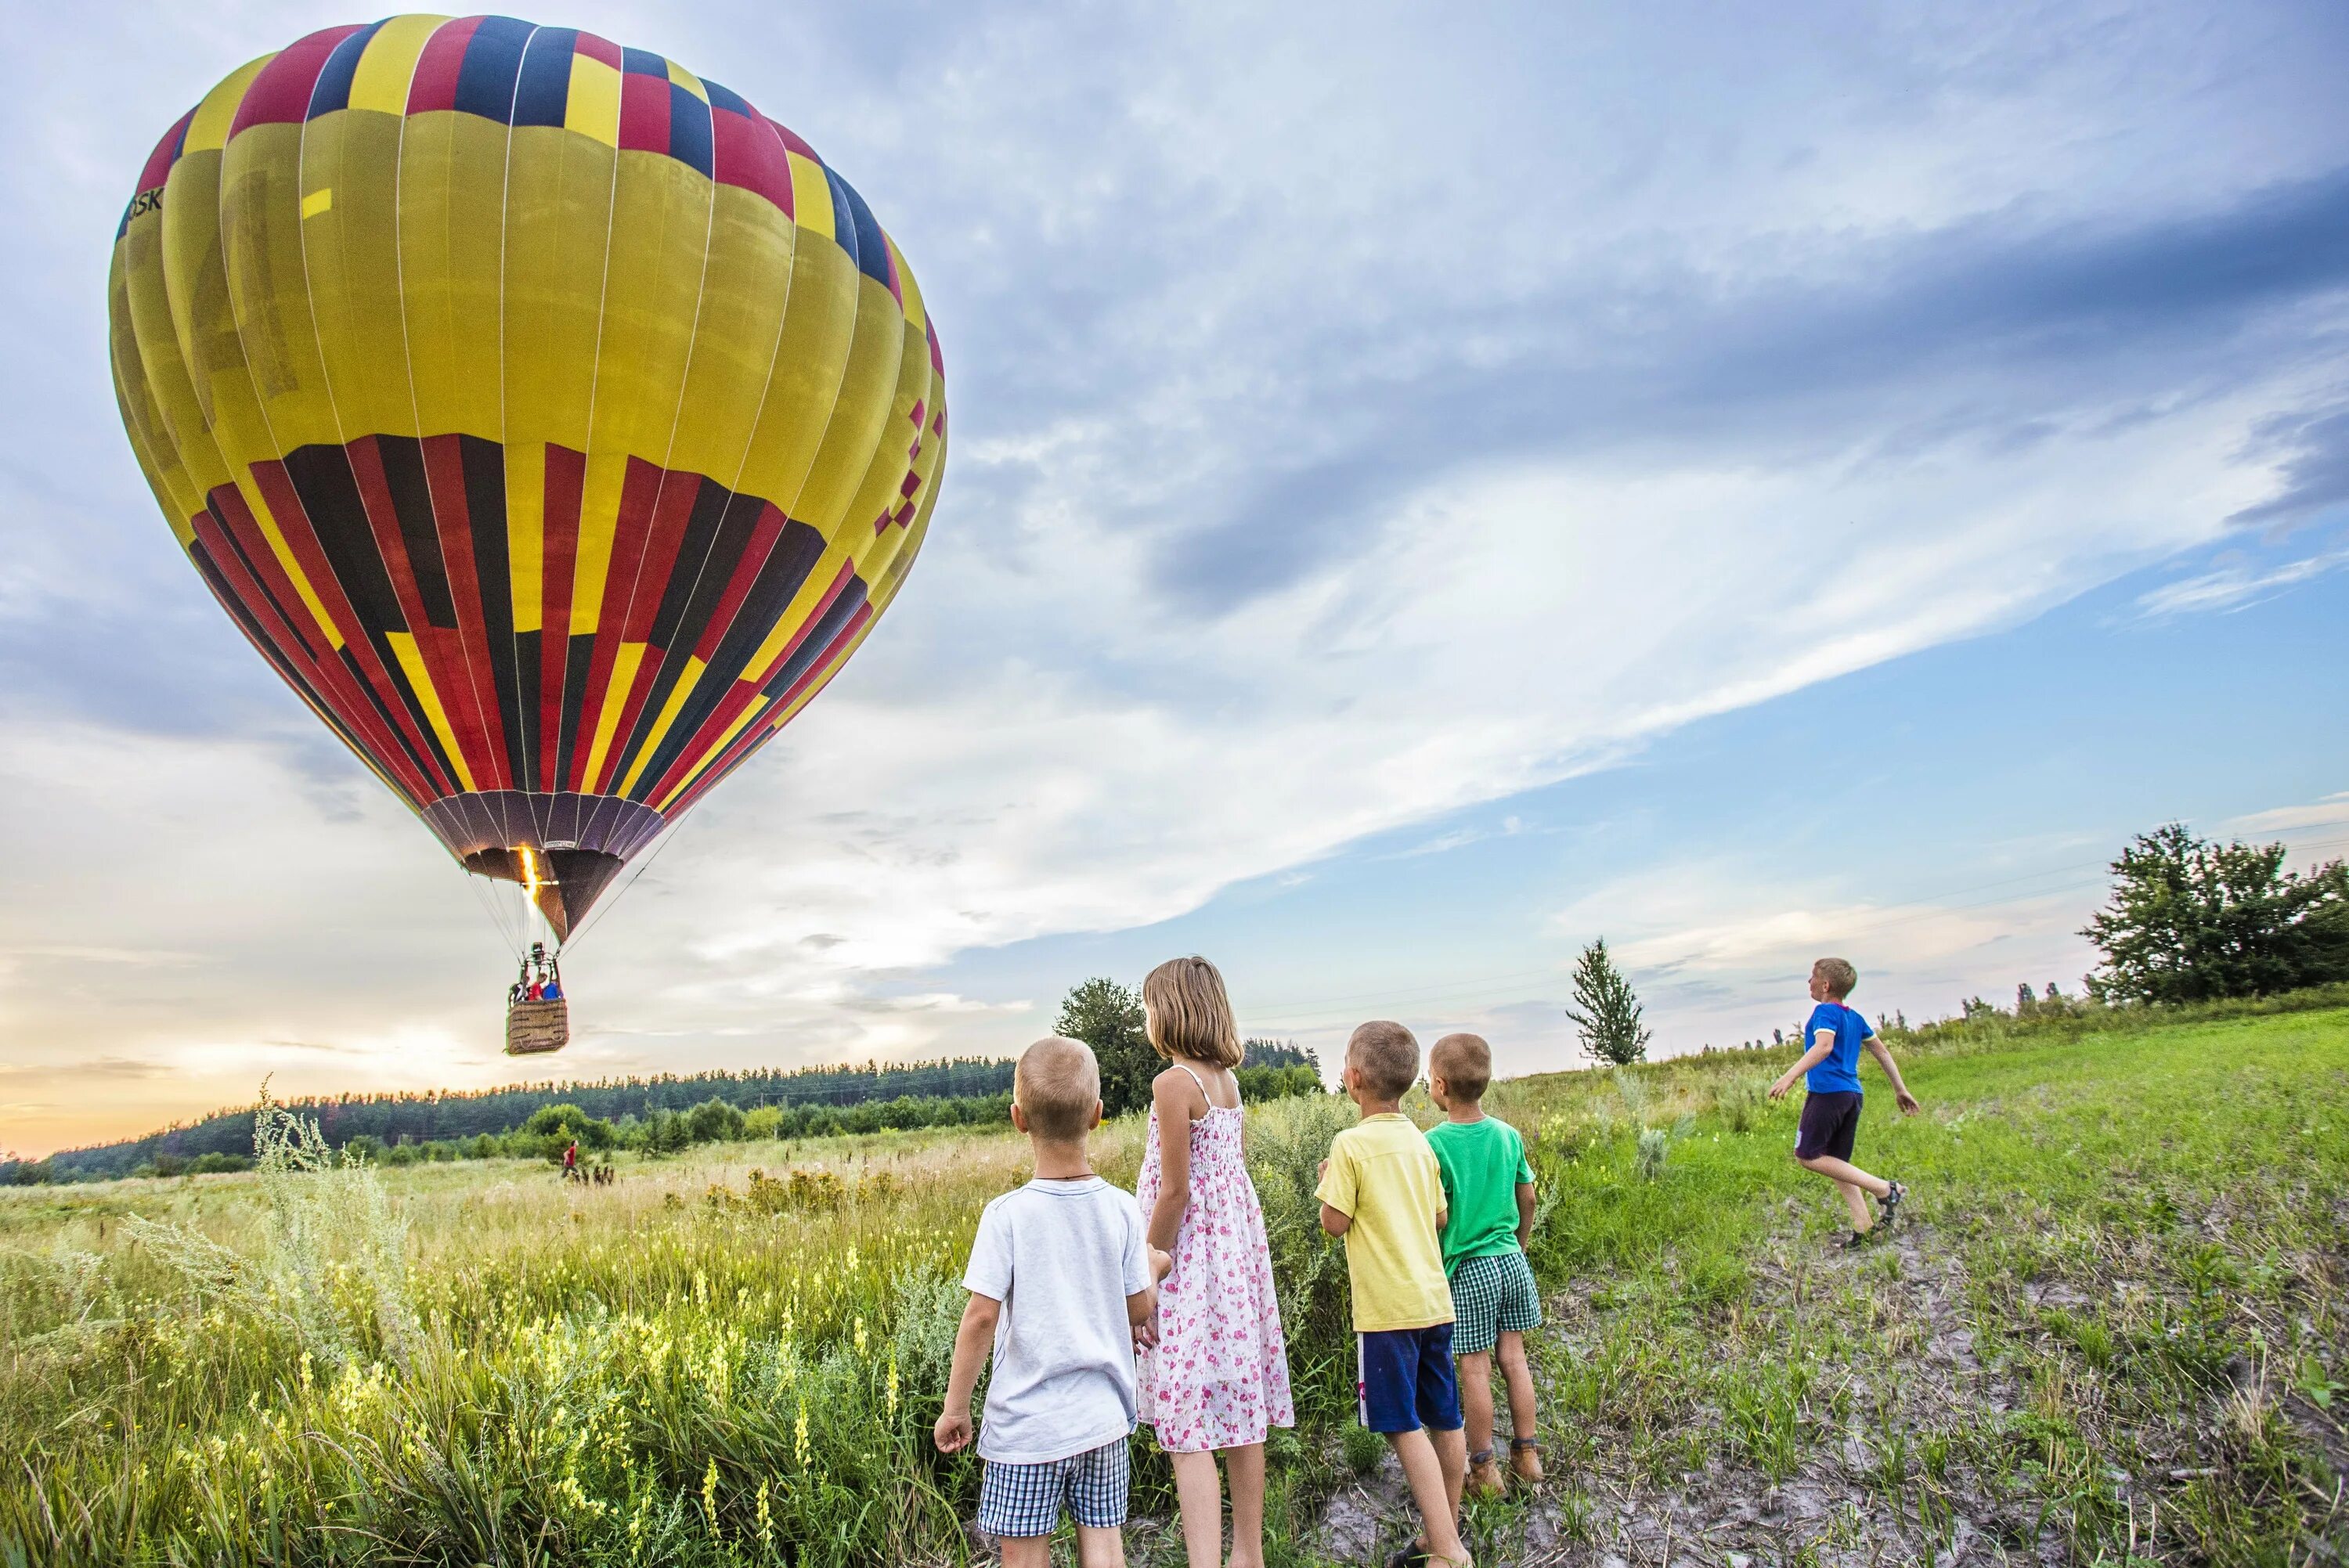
(1384, 1192)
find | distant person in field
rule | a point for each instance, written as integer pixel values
(1062, 1285)
(1488, 1189)
(1830, 1069)
(571, 1160)
(1383, 1190)
(1217, 1376)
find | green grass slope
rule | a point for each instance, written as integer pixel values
(2110, 1327)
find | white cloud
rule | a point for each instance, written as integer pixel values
(2331, 811)
(2236, 586)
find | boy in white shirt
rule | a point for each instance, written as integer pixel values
(1061, 1280)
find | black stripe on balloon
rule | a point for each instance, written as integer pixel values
(813, 646)
(260, 582)
(578, 659)
(718, 568)
(795, 554)
(322, 483)
(484, 464)
(700, 533)
(411, 501)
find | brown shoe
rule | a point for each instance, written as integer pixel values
(1524, 1457)
(1485, 1477)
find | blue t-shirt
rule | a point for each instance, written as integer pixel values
(1839, 1074)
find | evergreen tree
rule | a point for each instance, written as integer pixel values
(2193, 921)
(1606, 1010)
(1108, 1017)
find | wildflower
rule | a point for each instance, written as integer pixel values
(710, 1497)
(800, 1438)
(766, 1518)
(891, 1396)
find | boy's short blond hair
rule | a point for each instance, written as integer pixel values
(1386, 1055)
(1189, 1013)
(1464, 1063)
(1841, 977)
(1056, 1085)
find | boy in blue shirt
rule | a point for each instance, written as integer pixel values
(1831, 1106)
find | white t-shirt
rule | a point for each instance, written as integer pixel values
(1062, 1257)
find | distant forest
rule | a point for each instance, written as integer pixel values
(450, 1117)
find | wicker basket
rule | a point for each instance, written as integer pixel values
(535, 1026)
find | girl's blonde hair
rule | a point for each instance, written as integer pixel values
(1189, 1013)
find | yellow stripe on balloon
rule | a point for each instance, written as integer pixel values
(796, 614)
(525, 530)
(403, 647)
(688, 81)
(388, 64)
(208, 130)
(811, 194)
(593, 107)
(615, 698)
(599, 516)
(651, 748)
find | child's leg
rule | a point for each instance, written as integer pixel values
(1026, 1550)
(1434, 1487)
(1476, 1399)
(1202, 1502)
(1844, 1172)
(1520, 1378)
(1096, 1548)
(1452, 1453)
(1243, 1469)
(1857, 1201)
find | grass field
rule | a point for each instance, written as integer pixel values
(2113, 1329)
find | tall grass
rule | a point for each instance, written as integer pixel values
(324, 1362)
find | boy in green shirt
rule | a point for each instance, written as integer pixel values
(1489, 1190)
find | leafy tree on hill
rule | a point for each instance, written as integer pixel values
(1108, 1017)
(2194, 921)
(1606, 1010)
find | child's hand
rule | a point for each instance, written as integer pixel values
(952, 1434)
(1778, 1090)
(1145, 1334)
(1322, 1169)
(1906, 1101)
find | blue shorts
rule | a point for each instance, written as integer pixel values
(1020, 1501)
(1404, 1380)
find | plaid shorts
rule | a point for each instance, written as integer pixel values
(1492, 1295)
(1027, 1500)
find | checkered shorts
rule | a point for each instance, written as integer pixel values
(1491, 1295)
(1027, 1500)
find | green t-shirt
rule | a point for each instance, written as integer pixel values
(1482, 1163)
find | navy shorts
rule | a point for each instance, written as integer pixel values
(1830, 1123)
(1404, 1380)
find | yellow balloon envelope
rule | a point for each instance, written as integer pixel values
(555, 422)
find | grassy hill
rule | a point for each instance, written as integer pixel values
(2111, 1328)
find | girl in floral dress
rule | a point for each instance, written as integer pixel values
(1219, 1377)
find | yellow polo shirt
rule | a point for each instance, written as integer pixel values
(1383, 1176)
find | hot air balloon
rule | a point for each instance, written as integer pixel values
(555, 422)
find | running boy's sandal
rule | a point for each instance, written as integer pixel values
(1856, 1240)
(1891, 1201)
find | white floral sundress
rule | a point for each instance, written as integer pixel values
(1219, 1377)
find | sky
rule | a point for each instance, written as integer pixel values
(1433, 485)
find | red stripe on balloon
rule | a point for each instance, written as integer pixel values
(444, 465)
